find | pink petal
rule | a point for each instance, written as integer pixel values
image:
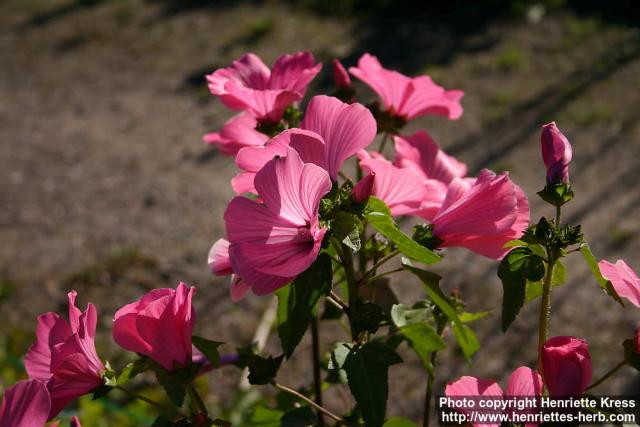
(420, 151)
(623, 279)
(390, 86)
(427, 98)
(38, 359)
(294, 72)
(260, 283)
(265, 105)
(25, 404)
(238, 132)
(252, 159)
(249, 71)
(239, 288)
(340, 76)
(72, 379)
(468, 386)
(219, 262)
(524, 381)
(249, 221)
(364, 188)
(566, 364)
(345, 129)
(556, 153)
(243, 183)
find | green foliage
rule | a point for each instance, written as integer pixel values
(556, 194)
(366, 317)
(464, 335)
(366, 369)
(379, 217)
(208, 348)
(399, 422)
(592, 262)
(263, 370)
(559, 278)
(520, 265)
(297, 302)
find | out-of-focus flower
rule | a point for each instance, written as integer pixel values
(364, 188)
(238, 132)
(421, 153)
(331, 132)
(556, 154)
(523, 382)
(623, 279)
(407, 97)
(158, 325)
(25, 404)
(566, 366)
(64, 355)
(248, 84)
(482, 216)
(340, 76)
(272, 241)
(405, 191)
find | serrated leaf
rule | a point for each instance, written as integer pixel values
(515, 268)
(469, 345)
(209, 349)
(424, 340)
(297, 302)
(263, 370)
(592, 262)
(385, 225)
(367, 374)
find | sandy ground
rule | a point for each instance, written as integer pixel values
(107, 187)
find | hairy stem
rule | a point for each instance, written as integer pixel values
(317, 380)
(431, 376)
(607, 375)
(307, 400)
(545, 309)
(373, 269)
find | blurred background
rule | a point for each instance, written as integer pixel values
(107, 188)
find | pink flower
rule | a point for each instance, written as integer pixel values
(556, 154)
(482, 216)
(407, 97)
(220, 265)
(566, 366)
(158, 325)
(523, 382)
(623, 279)
(405, 191)
(332, 131)
(421, 153)
(340, 76)
(25, 404)
(238, 132)
(64, 355)
(364, 188)
(249, 85)
(272, 241)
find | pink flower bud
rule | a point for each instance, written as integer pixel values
(364, 188)
(340, 75)
(566, 366)
(158, 325)
(556, 154)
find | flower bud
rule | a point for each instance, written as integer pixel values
(340, 76)
(158, 325)
(556, 154)
(364, 188)
(566, 366)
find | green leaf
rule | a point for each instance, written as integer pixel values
(399, 422)
(346, 228)
(367, 374)
(466, 317)
(297, 302)
(376, 205)
(424, 340)
(519, 265)
(263, 370)
(102, 391)
(265, 417)
(366, 317)
(401, 315)
(336, 362)
(534, 289)
(592, 262)
(299, 417)
(173, 386)
(631, 355)
(385, 225)
(209, 349)
(468, 344)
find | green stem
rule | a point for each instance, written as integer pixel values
(431, 375)
(317, 380)
(142, 398)
(386, 273)
(558, 216)
(197, 400)
(309, 401)
(383, 143)
(545, 309)
(607, 375)
(373, 269)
